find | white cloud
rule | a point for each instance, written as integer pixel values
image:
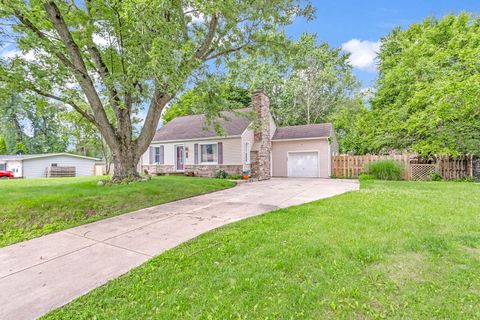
(15, 53)
(363, 53)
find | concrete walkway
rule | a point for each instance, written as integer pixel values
(42, 274)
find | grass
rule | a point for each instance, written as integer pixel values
(401, 250)
(33, 207)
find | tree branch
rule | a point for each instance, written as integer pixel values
(75, 106)
(200, 53)
(80, 71)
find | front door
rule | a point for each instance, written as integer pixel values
(179, 157)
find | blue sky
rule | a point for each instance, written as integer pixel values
(358, 25)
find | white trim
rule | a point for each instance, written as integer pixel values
(200, 153)
(329, 160)
(299, 139)
(175, 156)
(196, 139)
(307, 151)
(246, 129)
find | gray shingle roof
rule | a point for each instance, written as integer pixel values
(321, 130)
(195, 126)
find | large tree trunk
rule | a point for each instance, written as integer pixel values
(125, 162)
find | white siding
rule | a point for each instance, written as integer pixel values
(15, 167)
(37, 167)
(232, 151)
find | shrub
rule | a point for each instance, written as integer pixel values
(436, 177)
(221, 174)
(235, 177)
(385, 170)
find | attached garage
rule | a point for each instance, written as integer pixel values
(303, 151)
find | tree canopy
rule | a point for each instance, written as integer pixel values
(427, 95)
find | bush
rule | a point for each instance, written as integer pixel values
(235, 177)
(221, 174)
(436, 177)
(385, 170)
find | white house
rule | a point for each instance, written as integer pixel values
(36, 165)
(250, 141)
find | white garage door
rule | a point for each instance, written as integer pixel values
(303, 164)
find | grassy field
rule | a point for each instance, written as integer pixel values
(402, 250)
(33, 207)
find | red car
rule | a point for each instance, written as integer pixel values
(6, 175)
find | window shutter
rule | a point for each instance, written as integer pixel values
(152, 155)
(220, 153)
(195, 150)
(162, 158)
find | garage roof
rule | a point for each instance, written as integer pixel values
(320, 130)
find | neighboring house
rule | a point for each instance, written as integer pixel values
(36, 165)
(250, 141)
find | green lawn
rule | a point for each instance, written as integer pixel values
(33, 207)
(400, 250)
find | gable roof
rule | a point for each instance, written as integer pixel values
(233, 123)
(42, 155)
(321, 130)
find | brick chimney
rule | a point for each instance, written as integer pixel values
(263, 143)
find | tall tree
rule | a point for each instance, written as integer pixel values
(214, 92)
(3, 146)
(97, 55)
(307, 82)
(428, 88)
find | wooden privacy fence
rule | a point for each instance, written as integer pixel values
(349, 166)
(414, 167)
(59, 172)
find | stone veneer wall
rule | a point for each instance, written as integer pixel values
(261, 164)
(159, 168)
(210, 170)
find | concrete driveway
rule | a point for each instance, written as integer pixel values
(42, 274)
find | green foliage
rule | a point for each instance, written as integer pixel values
(20, 147)
(35, 207)
(307, 82)
(427, 93)
(210, 96)
(385, 170)
(235, 177)
(393, 250)
(436, 177)
(221, 174)
(3, 146)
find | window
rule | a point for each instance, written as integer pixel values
(157, 154)
(247, 153)
(54, 165)
(3, 166)
(209, 153)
